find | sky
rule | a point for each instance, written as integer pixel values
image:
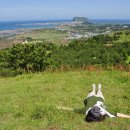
(63, 9)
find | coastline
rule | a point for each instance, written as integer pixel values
(11, 33)
(41, 24)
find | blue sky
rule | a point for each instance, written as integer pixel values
(63, 9)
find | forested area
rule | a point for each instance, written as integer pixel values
(101, 50)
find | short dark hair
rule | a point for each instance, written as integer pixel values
(94, 115)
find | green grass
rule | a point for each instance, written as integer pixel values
(46, 34)
(28, 102)
(124, 37)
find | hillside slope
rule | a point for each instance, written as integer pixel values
(29, 101)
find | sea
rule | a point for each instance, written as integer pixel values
(39, 24)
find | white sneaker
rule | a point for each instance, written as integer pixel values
(94, 87)
(99, 86)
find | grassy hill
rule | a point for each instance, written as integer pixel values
(28, 102)
(122, 36)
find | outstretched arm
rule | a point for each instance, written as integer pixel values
(123, 115)
(64, 108)
(110, 115)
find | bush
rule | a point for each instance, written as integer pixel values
(34, 57)
(25, 58)
(93, 51)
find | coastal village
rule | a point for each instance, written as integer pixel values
(79, 27)
(82, 28)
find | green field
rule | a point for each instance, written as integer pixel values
(45, 34)
(28, 102)
(124, 36)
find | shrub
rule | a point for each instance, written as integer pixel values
(25, 58)
(34, 57)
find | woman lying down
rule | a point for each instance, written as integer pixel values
(94, 109)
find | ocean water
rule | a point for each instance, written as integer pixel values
(34, 24)
(37, 24)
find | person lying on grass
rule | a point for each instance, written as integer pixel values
(94, 109)
(94, 106)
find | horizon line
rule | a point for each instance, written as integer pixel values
(65, 19)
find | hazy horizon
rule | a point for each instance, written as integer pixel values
(16, 10)
(61, 19)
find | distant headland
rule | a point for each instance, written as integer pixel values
(81, 19)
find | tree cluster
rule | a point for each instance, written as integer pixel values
(98, 50)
